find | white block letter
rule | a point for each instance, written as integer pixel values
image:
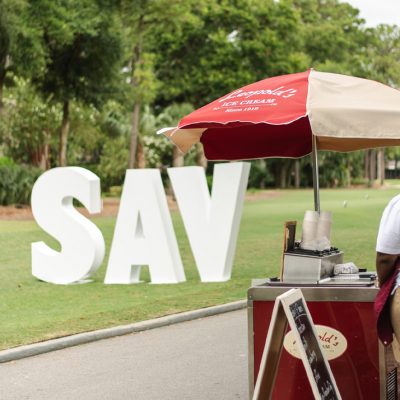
(212, 224)
(82, 244)
(144, 234)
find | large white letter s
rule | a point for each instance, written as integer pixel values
(82, 244)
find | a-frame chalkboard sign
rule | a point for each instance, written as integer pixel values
(291, 308)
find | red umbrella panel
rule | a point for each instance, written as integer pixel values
(292, 115)
(276, 117)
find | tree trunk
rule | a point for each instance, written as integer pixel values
(366, 164)
(134, 135)
(177, 161)
(381, 166)
(282, 178)
(42, 155)
(283, 173)
(40, 158)
(297, 173)
(44, 159)
(5, 64)
(1, 95)
(372, 167)
(348, 173)
(2, 79)
(136, 60)
(201, 159)
(177, 158)
(62, 160)
(140, 157)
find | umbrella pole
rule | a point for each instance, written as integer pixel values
(315, 173)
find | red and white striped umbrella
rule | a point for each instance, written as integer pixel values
(292, 115)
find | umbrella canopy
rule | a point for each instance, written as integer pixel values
(276, 117)
(292, 115)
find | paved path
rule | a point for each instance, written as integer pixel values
(204, 359)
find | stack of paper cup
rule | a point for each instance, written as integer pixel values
(309, 232)
(316, 234)
(324, 230)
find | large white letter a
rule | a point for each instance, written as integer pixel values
(144, 234)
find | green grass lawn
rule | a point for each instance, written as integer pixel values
(32, 311)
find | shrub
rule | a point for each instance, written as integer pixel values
(260, 175)
(115, 191)
(359, 181)
(113, 163)
(6, 161)
(16, 182)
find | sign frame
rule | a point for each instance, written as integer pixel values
(291, 308)
(289, 237)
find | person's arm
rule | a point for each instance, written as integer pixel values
(384, 266)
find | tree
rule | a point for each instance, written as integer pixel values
(27, 126)
(86, 144)
(335, 39)
(115, 125)
(230, 44)
(21, 49)
(144, 19)
(170, 116)
(337, 169)
(242, 41)
(334, 34)
(84, 44)
(381, 58)
(158, 151)
(381, 62)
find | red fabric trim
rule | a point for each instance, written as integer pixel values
(258, 141)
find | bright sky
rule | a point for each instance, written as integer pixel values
(378, 11)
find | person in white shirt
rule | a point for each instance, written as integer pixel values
(387, 257)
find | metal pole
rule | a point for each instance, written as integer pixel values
(315, 173)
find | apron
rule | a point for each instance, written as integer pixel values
(382, 309)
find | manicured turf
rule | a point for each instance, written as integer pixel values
(32, 311)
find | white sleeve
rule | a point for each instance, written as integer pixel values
(388, 240)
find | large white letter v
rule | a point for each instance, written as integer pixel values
(212, 224)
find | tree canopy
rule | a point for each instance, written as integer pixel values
(88, 80)
(21, 47)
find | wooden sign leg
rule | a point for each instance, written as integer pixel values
(291, 307)
(272, 354)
